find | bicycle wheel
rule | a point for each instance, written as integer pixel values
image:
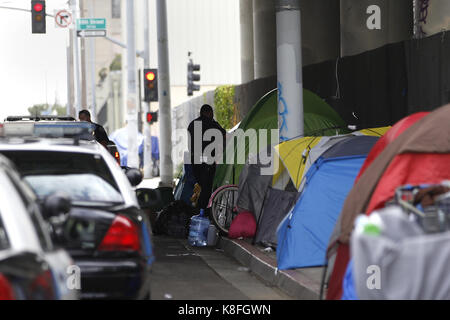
(223, 207)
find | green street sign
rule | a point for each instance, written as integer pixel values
(91, 24)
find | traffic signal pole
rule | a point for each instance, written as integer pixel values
(165, 126)
(146, 126)
(76, 54)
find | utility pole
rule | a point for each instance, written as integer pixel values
(165, 126)
(92, 58)
(289, 69)
(76, 53)
(146, 127)
(133, 157)
(70, 84)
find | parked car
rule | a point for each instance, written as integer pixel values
(31, 267)
(106, 233)
(64, 125)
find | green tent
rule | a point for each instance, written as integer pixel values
(318, 118)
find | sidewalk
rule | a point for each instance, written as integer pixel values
(302, 284)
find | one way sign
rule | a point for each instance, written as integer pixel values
(91, 33)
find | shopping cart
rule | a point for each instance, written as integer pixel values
(432, 218)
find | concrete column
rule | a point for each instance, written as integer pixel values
(359, 32)
(435, 15)
(322, 16)
(289, 66)
(247, 54)
(264, 41)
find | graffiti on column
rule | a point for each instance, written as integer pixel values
(282, 112)
(423, 15)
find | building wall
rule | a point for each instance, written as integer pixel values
(396, 24)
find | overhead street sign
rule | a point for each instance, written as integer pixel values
(91, 24)
(91, 33)
(63, 18)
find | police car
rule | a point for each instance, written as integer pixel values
(106, 233)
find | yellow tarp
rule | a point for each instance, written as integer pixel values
(376, 132)
(294, 153)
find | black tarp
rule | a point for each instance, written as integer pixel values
(381, 86)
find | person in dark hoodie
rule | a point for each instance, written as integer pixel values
(203, 169)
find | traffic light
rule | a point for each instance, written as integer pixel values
(38, 17)
(191, 87)
(150, 85)
(152, 117)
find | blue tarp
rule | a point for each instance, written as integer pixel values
(185, 187)
(348, 284)
(120, 138)
(303, 236)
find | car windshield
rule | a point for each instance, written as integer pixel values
(84, 177)
(80, 187)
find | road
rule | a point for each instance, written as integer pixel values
(182, 272)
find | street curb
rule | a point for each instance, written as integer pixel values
(292, 282)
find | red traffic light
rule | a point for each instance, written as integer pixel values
(38, 7)
(152, 117)
(150, 76)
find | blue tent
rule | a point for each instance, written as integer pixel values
(303, 235)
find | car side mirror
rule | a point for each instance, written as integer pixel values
(56, 204)
(154, 199)
(134, 176)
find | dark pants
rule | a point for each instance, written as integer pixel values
(204, 174)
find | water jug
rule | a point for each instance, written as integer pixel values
(198, 230)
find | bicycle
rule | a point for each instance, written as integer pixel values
(223, 207)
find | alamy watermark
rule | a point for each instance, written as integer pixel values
(249, 146)
(73, 281)
(374, 280)
(374, 20)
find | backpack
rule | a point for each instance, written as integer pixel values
(174, 220)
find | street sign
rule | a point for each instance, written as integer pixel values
(63, 18)
(91, 33)
(91, 24)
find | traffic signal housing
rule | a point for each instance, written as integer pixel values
(38, 24)
(192, 77)
(150, 85)
(152, 117)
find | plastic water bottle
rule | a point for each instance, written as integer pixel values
(198, 230)
(212, 235)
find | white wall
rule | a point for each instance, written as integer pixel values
(208, 28)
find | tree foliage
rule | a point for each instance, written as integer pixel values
(224, 107)
(116, 64)
(45, 109)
